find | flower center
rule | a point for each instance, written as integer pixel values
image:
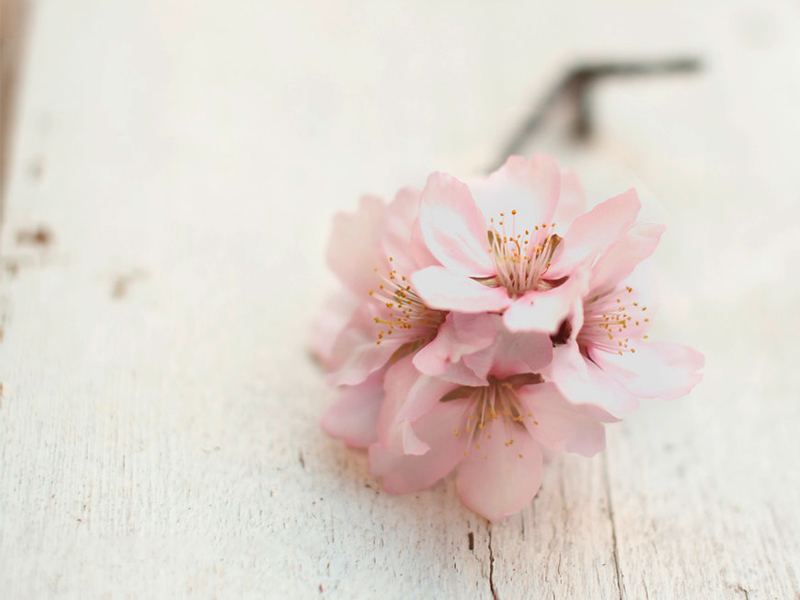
(486, 404)
(406, 319)
(521, 258)
(612, 324)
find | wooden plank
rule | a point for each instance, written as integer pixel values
(158, 425)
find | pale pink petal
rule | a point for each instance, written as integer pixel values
(398, 227)
(445, 290)
(403, 473)
(655, 370)
(418, 249)
(619, 261)
(460, 334)
(356, 353)
(595, 231)
(453, 228)
(467, 341)
(501, 477)
(402, 438)
(521, 352)
(600, 414)
(400, 378)
(409, 395)
(353, 416)
(544, 311)
(582, 382)
(462, 373)
(528, 187)
(479, 363)
(572, 202)
(353, 246)
(335, 314)
(558, 424)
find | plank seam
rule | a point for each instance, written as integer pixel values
(613, 526)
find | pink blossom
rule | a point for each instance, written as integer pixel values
(385, 314)
(499, 248)
(493, 435)
(483, 326)
(604, 356)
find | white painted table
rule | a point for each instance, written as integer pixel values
(175, 170)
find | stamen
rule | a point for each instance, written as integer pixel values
(606, 325)
(409, 319)
(521, 260)
(497, 400)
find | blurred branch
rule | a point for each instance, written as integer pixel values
(574, 88)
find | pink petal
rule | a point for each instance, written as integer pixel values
(353, 246)
(398, 229)
(453, 228)
(583, 382)
(418, 249)
(529, 187)
(460, 334)
(499, 479)
(355, 353)
(558, 424)
(544, 311)
(595, 231)
(403, 473)
(401, 438)
(479, 363)
(572, 202)
(655, 370)
(326, 328)
(619, 261)
(445, 290)
(354, 413)
(526, 352)
(409, 395)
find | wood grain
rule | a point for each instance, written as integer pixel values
(158, 419)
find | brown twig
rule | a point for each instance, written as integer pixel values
(574, 88)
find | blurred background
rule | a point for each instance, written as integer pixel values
(169, 174)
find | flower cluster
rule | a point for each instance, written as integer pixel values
(484, 326)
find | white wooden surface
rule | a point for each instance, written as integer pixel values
(158, 421)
